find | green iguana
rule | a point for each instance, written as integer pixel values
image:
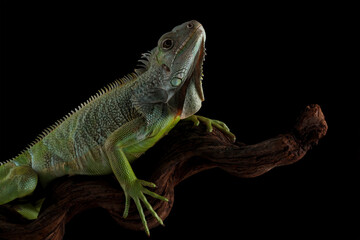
(116, 126)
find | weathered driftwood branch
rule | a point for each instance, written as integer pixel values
(184, 152)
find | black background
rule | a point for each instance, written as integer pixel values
(264, 64)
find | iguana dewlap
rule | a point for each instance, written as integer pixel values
(116, 126)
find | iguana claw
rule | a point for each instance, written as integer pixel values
(210, 123)
(136, 190)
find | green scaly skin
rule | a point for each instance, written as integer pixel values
(116, 126)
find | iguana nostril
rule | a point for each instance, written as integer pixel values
(190, 25)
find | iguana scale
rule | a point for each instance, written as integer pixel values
(115, 127)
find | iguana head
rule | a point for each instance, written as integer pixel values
(177, 60)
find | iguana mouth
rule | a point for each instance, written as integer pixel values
(187, 100)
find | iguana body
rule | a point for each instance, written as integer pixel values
(110, 131)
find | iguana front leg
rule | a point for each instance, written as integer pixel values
(117, 147)
(210, 123)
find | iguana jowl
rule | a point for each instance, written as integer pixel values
(113, 128)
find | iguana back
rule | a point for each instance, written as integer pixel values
(74, 146)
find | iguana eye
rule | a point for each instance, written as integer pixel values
(167, 44)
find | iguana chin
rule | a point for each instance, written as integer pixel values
(116, 126)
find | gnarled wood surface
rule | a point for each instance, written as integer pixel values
(184, 152)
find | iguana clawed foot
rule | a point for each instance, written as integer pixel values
(210, 123)
(29, 210)
(136, 190)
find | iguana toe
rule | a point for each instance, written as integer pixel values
(136, 191)
(210, 123)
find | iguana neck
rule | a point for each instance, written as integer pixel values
(148, 96)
